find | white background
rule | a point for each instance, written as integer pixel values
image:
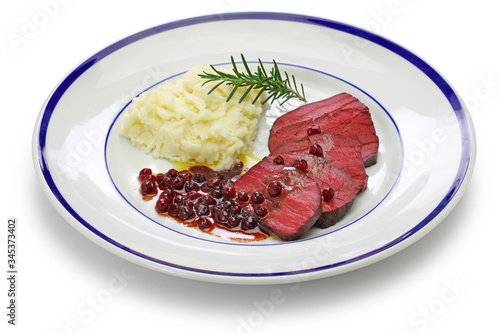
(446, 282)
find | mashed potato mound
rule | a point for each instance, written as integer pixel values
(181, 122)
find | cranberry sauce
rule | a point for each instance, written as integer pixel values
(204, 199)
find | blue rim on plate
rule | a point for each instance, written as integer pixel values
(466, 129)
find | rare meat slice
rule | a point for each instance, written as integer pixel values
(353, 123)
(327, 177)
(290, 211)
(317, 109)
(341, 152)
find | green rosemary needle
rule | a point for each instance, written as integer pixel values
(275, 84)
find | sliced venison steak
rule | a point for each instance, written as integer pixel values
(327, 177)
(290, 213)
(317, 109)
(341, 152)
(354, 123)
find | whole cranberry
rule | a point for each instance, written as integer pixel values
(202, 210)
(242, 196)
(257, 197)
(202, 223)
(242, 216)
(217, 193)
(209, 201)
(213, 183)
(174, 209)
(274, 189)
(219, 206)
(228, 204)
(148, 187)
(172, 173)
(279, 160)
(314, 129)
(167, 194)
(233, 222)
(178, 184)
(191, 186)
(316, 150)
(186, 213)
(164, 182)
(179, 199)
(193, 196)
(159, 177)
(250, 222)
(300, 164)
(162, 205)
(145, 174)
(235, 209)
(327, 194)
(229, 192)
(221, 216)
(260, 210)
(199, 178)
(186, 176)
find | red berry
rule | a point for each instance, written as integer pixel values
(174, 210)
(217, 193)
(227, 204)
(257, 198)
(178, 184)
(148, 188)
(193, 196)
(260, 210)
(162, 205)
(279, 160)
(210, 201)
(199, 178)
(314, 129)
(146, 174)
(163, 181)
(300, 164)
(242, 196)
(202, 210)
(179, 199)
(327, 194)
(235, 210)
(191, 186)
(316, 150)
(202, 223)
(219, 206)
(229, 192)
(167, 194)
(186, 213)
(186, 176)
(172, 173)
(221, 215)
(233, 222)
(274, 188)
(159, 177)
(249, 222)
(213, 183)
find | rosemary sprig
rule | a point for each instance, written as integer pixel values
(274, 84)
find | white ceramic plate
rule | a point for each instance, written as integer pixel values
(88, 171)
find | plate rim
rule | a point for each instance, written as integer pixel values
(453, 195)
